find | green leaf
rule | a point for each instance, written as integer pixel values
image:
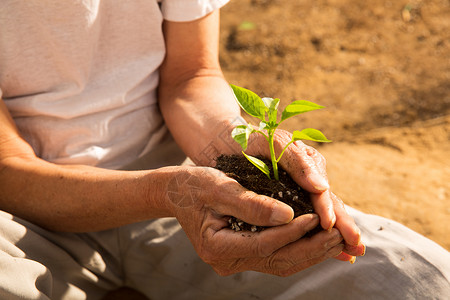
(298, 107)
(270, 103)
(241, 134)
(249, 102)
(258, 163)
(272, 108)
(310, 134)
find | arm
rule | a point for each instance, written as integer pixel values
(195, 99)
(198, 105)
(72, 198)
(199, 108)
(81, 198)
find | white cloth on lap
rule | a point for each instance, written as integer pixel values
(157, 259)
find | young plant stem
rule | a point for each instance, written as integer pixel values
(272, 155)
(284, 149)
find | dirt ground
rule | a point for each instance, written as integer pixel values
(382, 69)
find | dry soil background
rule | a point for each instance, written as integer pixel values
(382, 69)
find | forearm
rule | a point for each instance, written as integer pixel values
(200, 113)
(196, 101)
(74, 198)
(81, 198)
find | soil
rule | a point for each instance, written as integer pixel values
(250, 177)
(382, 71)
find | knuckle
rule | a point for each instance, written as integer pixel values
(310, 151)
(314, 253)
(282, 137)
(279, 266)
(260, 206)
(337, 200)
(316, 156)
(208, 255)
(263, 249)
(230, 267)
(271, 263)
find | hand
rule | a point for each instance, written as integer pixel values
(202, 199)
(308, 168)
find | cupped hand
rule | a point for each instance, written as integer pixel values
(308, 168)
(202, 199)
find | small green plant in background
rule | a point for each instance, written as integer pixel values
(266, 110)
(247, 25)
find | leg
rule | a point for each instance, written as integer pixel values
(38, 264)
(400, 264)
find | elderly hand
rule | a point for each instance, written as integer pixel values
(308, 168)
(202, 199)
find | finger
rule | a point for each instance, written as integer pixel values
(306, 166)
(260, 244)
(226, 196)
(292, 258)
(358, 250)
(333, 252)
(345, 257)
(250, 207)
(345, 223)
(324, 207)
(305, 252)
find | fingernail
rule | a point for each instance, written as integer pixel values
(359, 234)
(313, 222)
(352, 260)
(318, 182)
(333, 221)
(364, 250)
(282, 214)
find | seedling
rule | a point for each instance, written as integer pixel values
(266, 110)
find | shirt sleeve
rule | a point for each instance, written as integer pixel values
(189, 10)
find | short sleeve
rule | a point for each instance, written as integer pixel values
(189, 10)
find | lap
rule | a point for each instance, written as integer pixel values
(40, 264)
(399, 264)
(156, 258)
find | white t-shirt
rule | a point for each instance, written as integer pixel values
(79, 77)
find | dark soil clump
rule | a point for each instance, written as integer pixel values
(285, 190)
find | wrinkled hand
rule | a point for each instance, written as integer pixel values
(202, 199)
(308, 168)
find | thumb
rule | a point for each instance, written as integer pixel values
(310, 167)
(258, 209)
